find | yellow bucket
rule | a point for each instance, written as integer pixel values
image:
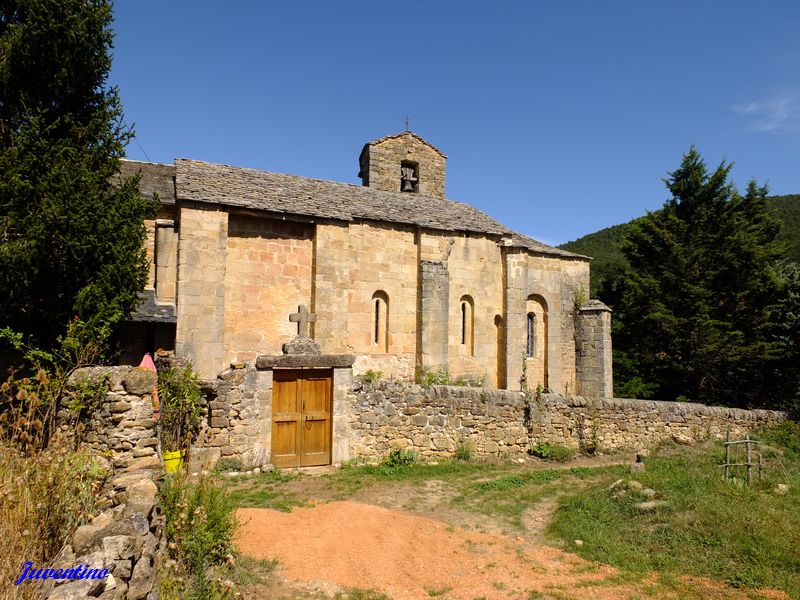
(173, 461)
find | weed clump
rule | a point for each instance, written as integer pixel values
(200, 525)
(463, 452)
(399, 458)
(555, 452)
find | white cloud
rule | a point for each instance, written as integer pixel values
(779, 114)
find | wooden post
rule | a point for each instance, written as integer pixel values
(749, 457)
(727, 451)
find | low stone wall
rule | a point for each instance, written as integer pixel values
(434, 421)
(126, 537)
(235, 415)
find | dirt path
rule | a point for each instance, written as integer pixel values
(410, 557)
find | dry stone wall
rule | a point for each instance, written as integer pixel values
(387, 415)
(126, 536)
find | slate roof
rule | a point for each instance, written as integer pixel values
(150, 311)
(315, 198)
(156, 178)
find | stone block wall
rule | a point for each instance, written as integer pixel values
(268, 274)
(126, 537)
(475, 266)
(434, 421)
(381, 160)
(383, 260)
(238, 420)
(371, 419)
(201, 288)
(433, 335)
(593, 358)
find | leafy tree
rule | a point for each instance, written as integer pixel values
(71, 231)
(695, 312)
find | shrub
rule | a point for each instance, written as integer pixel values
(463, 452)
(200, 525)
(179, 393)
(426, 377)
(371, 376)
(399, 458)
(786, 434)
(555, 452)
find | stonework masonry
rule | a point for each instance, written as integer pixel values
(398, 279)
(201, 288)
(380, 163)
(126, 536)
(371, 419)
(593, 351)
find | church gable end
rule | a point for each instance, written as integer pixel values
(403, 163)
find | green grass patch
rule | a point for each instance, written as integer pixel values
(265, 490)
(745, 535)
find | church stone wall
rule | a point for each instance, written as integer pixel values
(381, 259)
(331, 287)
(558, 283)
(268, 274)
(476, 270)
(201, 288)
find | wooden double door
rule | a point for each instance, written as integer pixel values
(301, 417)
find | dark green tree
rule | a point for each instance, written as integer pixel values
(71, 231)
(695, 313)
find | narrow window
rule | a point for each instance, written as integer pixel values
(467, 324)
(463, 322)
(531, 333)
(377, 321)
(380, 324)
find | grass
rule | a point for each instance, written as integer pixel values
(43, 498)
(744, 535)
(264, 491)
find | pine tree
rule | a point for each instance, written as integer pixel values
(71, 231)
(695, 313)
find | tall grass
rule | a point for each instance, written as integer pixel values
(200, 525)
(43, 498)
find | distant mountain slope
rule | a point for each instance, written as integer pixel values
(604, 245)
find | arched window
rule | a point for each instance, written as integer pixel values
(467, 323)
(531, 347)
(536, 349)
(380, 321)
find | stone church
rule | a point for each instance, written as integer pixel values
(391, 273)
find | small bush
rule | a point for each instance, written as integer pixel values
(371, 376)
(200, 525)
(785, 434)
(555, 452)
(463, 452)
(179, 393)
(426, 377)
(399, 458)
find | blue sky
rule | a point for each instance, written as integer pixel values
(558, 118)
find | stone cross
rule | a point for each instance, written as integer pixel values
(302, 317)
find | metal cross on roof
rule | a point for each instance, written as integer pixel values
(303, 318)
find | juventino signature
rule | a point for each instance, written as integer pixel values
(79, 572)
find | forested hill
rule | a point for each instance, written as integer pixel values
(604, 245)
